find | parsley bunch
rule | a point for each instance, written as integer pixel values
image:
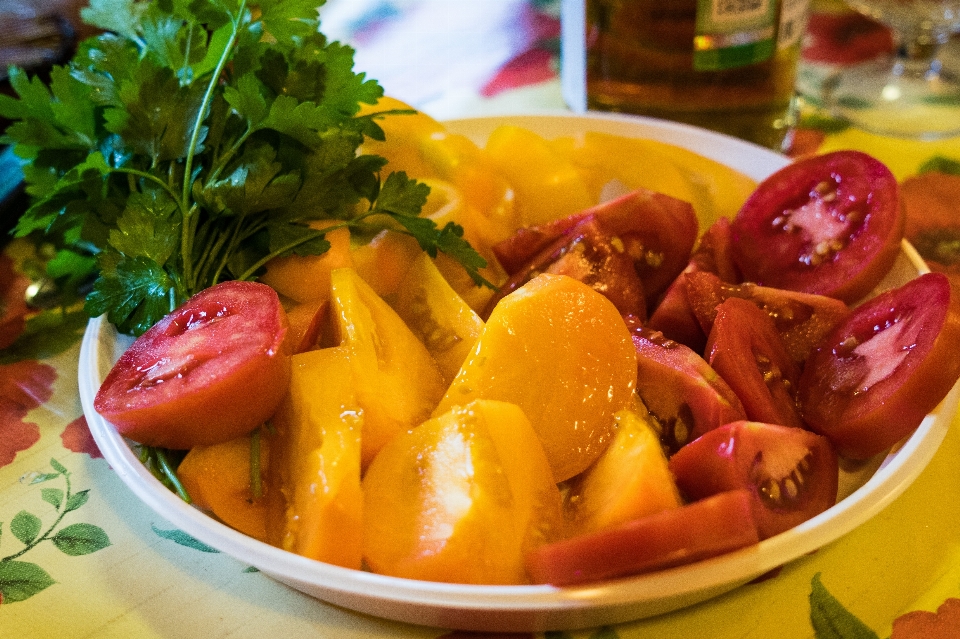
(195, 140)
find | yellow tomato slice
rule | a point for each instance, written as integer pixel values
(562, 352)
(461, 498)
(631, 478)
(547, 186)
(396, 381)
(317, 458)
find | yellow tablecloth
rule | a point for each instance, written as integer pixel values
(80, 556)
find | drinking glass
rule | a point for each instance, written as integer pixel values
(912, 93)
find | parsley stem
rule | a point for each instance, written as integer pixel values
(186, 244)
(153, 178)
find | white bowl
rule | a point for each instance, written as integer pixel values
(864, 491)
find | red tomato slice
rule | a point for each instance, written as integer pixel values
(673, 537)
(586, 253)
(745, 349)
(657, 231)
(802, 319)
(685, 395)
(791, 474)
(674, 316)
(829, 224)
(210, 371)
(877, 375)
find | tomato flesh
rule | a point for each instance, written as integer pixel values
(657, 232)
(792, 474)
(210, 371)
(685, 395)
(673, 537)
(588, 254)
(802, 319)
(745, 349)
(674, 316)
(830, 224)
(878, 374)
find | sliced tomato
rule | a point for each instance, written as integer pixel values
(745, 349)
(656, 231)
(673, 537)
(673, 315)
(877, 375)
(802, 319)
(210, 371)
(685, 395)
(829, 224)
(586, 253)
(791, 474)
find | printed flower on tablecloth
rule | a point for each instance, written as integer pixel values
(77, 438)
(921, 624)
(932, 202)
(23, 386)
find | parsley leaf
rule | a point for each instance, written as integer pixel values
(191, 142)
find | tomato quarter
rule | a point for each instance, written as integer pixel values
(745, 349)
(874, 378)
(700, 530)
(791, 473)
(830, 224)
(210, 371)
(685, 395)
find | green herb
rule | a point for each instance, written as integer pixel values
(194, 141)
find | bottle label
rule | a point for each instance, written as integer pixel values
(734, 33)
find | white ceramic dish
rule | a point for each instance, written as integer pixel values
(865, 491)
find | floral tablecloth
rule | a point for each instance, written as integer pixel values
(80, 556)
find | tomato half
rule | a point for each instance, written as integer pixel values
(744, 347)
(877, 375)
(802, 319)
(791, 473)
(685, 395)
(210, 371)
(829, 224)
(673, 537)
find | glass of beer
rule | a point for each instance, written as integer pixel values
(726, 65)
(913, 93)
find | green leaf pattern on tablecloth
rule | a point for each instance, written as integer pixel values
(830, 619)
(20, 580)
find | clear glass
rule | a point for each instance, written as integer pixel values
(913, 93)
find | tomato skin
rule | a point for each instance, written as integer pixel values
(657, 231)
(210, 371)
(745, 349)
(674, 315)
(673, 537)
(802, 319)
(586, 253)
(864, 388)
(685, 395)
(829, 224)
(791, 473)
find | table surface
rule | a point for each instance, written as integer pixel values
(134, 577)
